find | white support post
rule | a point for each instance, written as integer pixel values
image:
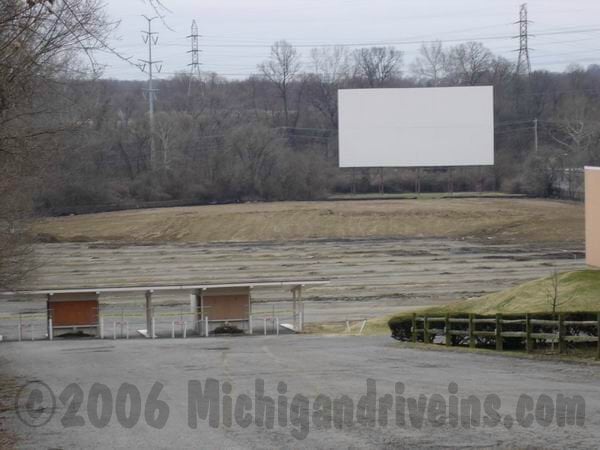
(114, 330)
(184, 330)
(126, 330)
(173, 330)
(362, 327)
(277, 325)
(31, 327)
(294, 312)
(101, 325)
(265, 325)
(348, 326)
(206, 326)
(149, 315)
(48, 315)
(153, 328)
(250, 324)
(194, 304)
(50, 331)
(301, 307)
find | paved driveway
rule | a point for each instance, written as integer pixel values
(294, 392)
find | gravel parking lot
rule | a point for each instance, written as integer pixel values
(369, 277)
(94, 416)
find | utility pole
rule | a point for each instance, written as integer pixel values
(151, 38)
(523, 63)
(535, 134)
(195, 64)
(381, 181)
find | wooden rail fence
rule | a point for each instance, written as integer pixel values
(499, 329)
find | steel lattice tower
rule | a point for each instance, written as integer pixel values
(195, 51)
(523, 64)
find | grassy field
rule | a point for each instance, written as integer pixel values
(578, 291)
(377, 326)
(499, 219)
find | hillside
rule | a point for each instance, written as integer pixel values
(578, 291)
(498, 219)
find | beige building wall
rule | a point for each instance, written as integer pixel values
(592, 216)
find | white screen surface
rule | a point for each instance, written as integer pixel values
(416, 127)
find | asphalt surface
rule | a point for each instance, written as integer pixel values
(309, 366)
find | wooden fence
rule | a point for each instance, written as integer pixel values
(498, 330)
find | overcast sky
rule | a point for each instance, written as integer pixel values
(237, 34)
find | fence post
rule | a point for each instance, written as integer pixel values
(447, 330)
(425, 330)
(528, 333)
(250, 324)
(206, 326)
(598, 352)
(101, 326)
(561, 333)
(499, 342)
(414, 327)
(153, 328)
(50, 333)
(471, 332)
(265, 325)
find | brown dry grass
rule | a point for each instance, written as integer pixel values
(507, 220)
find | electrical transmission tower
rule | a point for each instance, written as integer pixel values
(148, 65)
(523, 64)
(195, 51)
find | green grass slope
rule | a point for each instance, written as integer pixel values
(577, 292)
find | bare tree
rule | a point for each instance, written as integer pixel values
(576, 127)
(255, 148)
(555, 298)
(553, 294)
(430, 63)
(577, 131)
(378, 65)
(172, 130)
(469, 63)
(39, 41)
(331, 68)
(282, 68)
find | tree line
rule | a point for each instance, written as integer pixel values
(273, 135)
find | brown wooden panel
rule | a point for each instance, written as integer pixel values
(70, 313)
(225, 307)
